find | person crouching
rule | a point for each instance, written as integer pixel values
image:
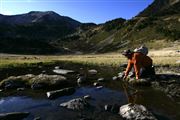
(141, 63)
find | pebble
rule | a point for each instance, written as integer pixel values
(87, 97)
(101, 80)
(115, 78)
(96, 84)
(99, 87)
(20, 89)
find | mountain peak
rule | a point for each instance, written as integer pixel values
(46, 12)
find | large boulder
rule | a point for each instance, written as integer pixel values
(135, 112)
(76, 104)
(48, 79)
(13, 116)
(140, 82)
(58, 93)
(34, 81)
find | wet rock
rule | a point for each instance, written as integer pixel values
(34, 81)
(99, 87)
(13, 116)
(108, 108)
(76, 104)
(87, 97)
(141, 82)
(101, 80)
(121, 75)
(20, 89)
(44, 79)
(12, 84)
(92, 72)
(58, 93)
(96, 84)
(63, 71)
(135, 112)
(115, 78)
(112, 108)
(81, 79)
(57, 67)
(37, 86)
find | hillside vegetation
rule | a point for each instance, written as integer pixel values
(158, 26)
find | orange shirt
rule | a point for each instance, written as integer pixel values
(138, 61)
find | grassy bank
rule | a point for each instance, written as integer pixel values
(114, 60)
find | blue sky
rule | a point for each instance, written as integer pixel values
(97, 11)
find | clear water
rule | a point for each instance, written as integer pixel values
(39, 106)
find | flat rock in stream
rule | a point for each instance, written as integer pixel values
(35, 81)
(140, 82)
(14, 116)
(63, 71)
(58, 93)
(135, 112)
(76, 104)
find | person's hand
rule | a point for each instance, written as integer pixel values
(124, 78)
(137, 78)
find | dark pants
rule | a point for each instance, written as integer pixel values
(147, 72)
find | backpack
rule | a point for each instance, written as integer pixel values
(143, 49)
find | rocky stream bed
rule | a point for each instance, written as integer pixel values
(69, 92)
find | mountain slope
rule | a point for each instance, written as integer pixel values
(18, 33)
(159, 22)
(48, 32)
(161, 8)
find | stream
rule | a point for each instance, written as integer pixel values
(36, 103)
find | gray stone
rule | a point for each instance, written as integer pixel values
(33, 81)
(112, 108)
(115, 78)
(63, 71)
(92, 72)
(58, 93)
(13, 116)
(99, 87)
(20, 89)
(37, 86)
(87, 97)
(101, 80)
(81, 79)
(96, 84)
(57, 67)
(141, 82)
(135, 112)
(107, 108)
(76, 104)
(121, 75)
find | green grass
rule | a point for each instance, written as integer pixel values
(113, 60)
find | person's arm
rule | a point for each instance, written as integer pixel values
(137, 65)
(129, 66)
